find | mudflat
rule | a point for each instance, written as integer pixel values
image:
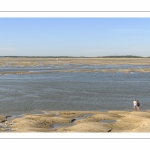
(61, 61)
(30, 62)
(79, 121)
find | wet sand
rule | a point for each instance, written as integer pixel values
(30, 62)
(78, 121)
(9, 61)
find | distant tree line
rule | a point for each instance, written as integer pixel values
(124, 56)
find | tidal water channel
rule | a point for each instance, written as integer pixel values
(97, 91)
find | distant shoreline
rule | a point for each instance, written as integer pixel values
(115, 56)
(30, 61)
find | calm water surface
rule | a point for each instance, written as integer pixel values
(32, 93)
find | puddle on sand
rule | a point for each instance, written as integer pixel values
(4, 127)
(108, 121)
(56, 126)
(13, 117)
(82, 117)
(4, 124)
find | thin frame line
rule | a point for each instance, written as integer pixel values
(76, 138)
(75, 11)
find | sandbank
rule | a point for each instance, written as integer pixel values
(22, 61)
(30, 62)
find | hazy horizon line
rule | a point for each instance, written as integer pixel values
(63, 56)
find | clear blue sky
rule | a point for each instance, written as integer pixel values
(74, 36)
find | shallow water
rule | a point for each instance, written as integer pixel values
(73, 120)
(39, 69)
(108, 121)
(30, 93)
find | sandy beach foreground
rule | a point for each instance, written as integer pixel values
(78, 121)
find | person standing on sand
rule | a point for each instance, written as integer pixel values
(135, 105)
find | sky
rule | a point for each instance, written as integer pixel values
(89, 37)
